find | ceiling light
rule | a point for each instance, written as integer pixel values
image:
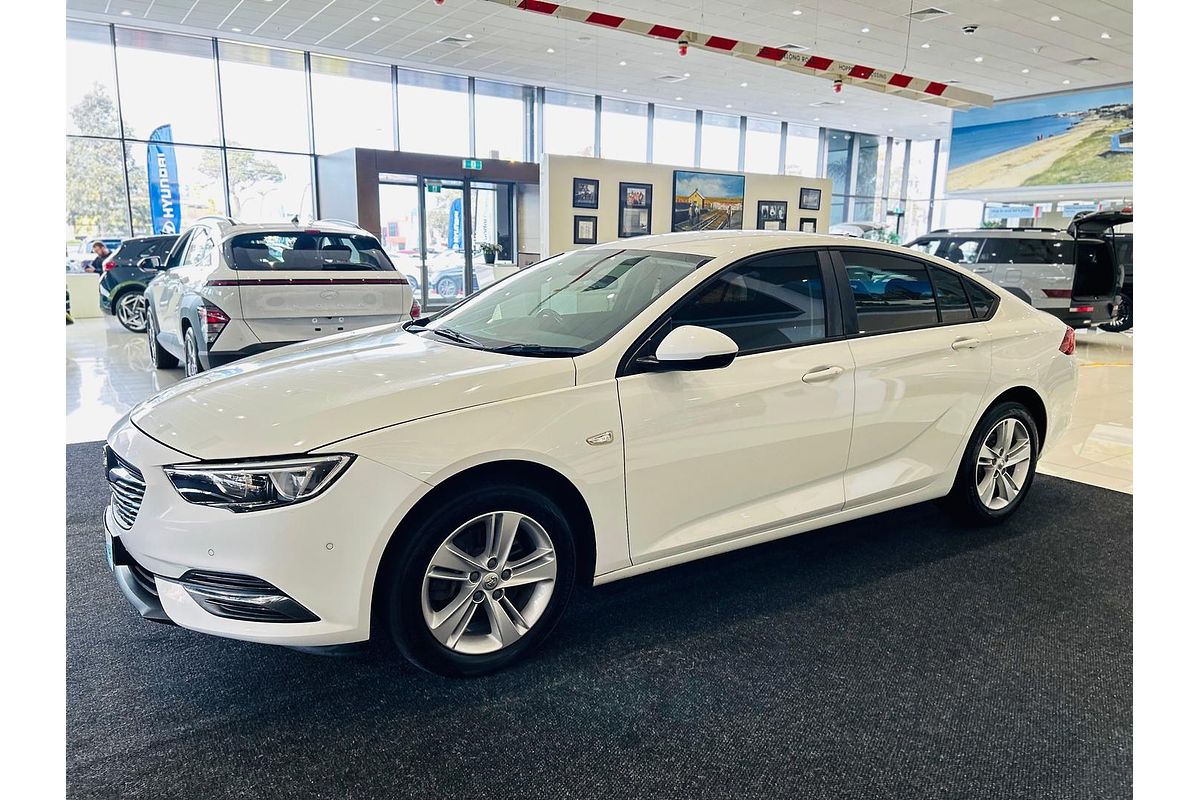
(744, 84)
(1025, 71)
(236, 30)
(1105, 35)
(126, 13)
(1066, 82)
(1056, 18)
(677, 99)
(549, 49)
(465, 35)
(624, 91)
(776, 113)
(687, 74)
(866, 30)
(842, 102)
(978, 59)
(797, 13)
(925, 46)
(885, 109)
(621, 64)
(729, 105)
(923, 116)
(376, 19)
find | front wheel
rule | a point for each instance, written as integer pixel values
(159, 358)
(998, 466)
(480, 582)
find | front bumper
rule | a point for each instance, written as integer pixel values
(321, 554)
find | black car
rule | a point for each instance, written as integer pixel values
(123, 283)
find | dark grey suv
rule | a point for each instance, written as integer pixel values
(122, 284)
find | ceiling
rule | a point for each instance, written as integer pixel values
(507, 44)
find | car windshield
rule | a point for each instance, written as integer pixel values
(566, 305)
(307, 251)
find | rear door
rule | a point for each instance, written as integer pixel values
(297, 286)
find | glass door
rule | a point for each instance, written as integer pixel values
(492, 254)
(400, 230)
(445, 245)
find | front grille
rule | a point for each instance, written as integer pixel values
(127, 485)
(143, 577)
(243, 597)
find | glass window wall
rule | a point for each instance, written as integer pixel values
(762, 146)
(674, 136)
(623, 128)
(720, 141)
(352, 104)
(434, 113)
(188, 103)
(500, 120)
(569, 123)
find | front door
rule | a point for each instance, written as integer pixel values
(718, 454)
(922, 365)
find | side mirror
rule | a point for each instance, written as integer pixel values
(690, 347)
(149, 263)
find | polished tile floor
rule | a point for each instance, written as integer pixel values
(108, 372)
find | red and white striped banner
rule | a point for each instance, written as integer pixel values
(879, 80)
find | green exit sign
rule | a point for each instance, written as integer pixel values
(433, 186)
(472, 163)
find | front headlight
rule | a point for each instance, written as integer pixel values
(254, 485)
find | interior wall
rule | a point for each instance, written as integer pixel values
(557, 186)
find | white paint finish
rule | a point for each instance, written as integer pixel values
(309, 394)
(294, 313)
(692, 343)
(717, 454)
(916, 399)
(558, 219)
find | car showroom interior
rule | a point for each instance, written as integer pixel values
(647, 398)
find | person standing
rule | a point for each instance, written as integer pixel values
(102, 252)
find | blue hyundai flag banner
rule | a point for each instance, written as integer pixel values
(164, 181)
(454, 237)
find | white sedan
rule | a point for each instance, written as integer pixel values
(605, 413)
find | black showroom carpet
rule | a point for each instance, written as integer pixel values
(900, 656)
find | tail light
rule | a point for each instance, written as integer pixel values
(212, 320)
(1082, 309)
(1068, 343)
(109, 263)
(415, 311)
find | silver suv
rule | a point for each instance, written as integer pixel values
(227, 290)
(1076, 280)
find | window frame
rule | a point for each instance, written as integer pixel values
(850, 311)
(835, 330)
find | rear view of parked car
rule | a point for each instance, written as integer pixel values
(123, 284)
(1076, 280)
(227, 290)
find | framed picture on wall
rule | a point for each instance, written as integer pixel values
(585, 229)
(808, 224)
(772, 215)
(634, 205)
(585, 193)
(706, 201)
(810, 199)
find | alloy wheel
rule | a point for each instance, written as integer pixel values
(191, 359)
(131, 311)
(151, 341)
(1002, 466)
(489, 582)
(447, 288)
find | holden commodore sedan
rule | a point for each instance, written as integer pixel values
(445, 483)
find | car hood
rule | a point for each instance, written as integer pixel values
(311, 394)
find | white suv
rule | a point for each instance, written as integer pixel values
(228, 290)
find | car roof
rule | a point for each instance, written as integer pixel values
(738, 243)
(230, 227)
(1001, 233)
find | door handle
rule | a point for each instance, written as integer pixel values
(981, 269)
(821, 374)
(965, 344)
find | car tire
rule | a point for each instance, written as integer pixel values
(998, 466)
(447, 288)
(129, 308)
(191, 353)
(445, 614)
(159, 358)
(1124, 319)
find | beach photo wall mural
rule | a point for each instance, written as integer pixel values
(1074, 138)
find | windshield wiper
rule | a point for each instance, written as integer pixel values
(448, 333)
(548, 351)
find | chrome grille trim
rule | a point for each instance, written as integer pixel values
(127, 485)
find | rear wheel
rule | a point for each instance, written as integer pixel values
(130, 310)
(159, 358)
(998, 466)
(480, 582)
(1123, 319)
(191, 354)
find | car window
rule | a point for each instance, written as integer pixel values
(177, 253)
(890, 293)
(997, 250)
(575, 300)
(928, 246)
(961, 250)
(128, 254)
(199, 249)
(308, 251)
(770, 302)
(1043, 251)
(951, 295)
(160, 248)
(982, 301)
